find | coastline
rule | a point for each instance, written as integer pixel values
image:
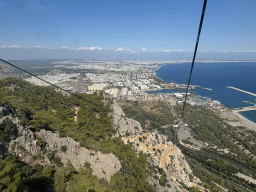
(154, 72)
(243, 120)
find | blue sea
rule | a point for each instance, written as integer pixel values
(216, 76)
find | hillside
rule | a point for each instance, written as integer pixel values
(55, 142)
(29, 115)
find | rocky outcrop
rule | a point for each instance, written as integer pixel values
(102, 165)
(122, 124)
(7, 71)
(170, 185)
(25, 146)
(165, 155)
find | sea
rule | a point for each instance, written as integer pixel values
(215, 76)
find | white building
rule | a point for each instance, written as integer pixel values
(135, 88)
(124, 92)
(113, 91)
(143, 87)
(96, 87)
(178, 95)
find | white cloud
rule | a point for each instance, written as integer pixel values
(130, 50)
(95, 48)
(39, 47)
(173, 50)
(120, 49)
(124, 50)
(66, 48)
(14, 46)
(144, 49)
(3, 46)
(90, 48)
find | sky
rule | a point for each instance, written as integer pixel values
(126, 29)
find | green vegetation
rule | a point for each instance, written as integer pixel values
(44, 108)
(34, 157)
(15, 177)
(210, 180)
(220, 164)
(20, 147)
(211, 129)
(163, 181)
(158, 115)
(63, 148)
(52, 156)
(40, 142)
(6, 130)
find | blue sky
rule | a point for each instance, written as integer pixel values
(125, 27)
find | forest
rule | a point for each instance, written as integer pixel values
(209, 128)
(156, 116)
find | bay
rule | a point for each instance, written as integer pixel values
(216, 76)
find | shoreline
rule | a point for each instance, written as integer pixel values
(243, 121)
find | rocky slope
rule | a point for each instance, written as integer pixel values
(8, 71)
(162, 155)
(124, 125)
(24, 144)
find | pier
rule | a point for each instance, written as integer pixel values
(251, 108)
(242, 90)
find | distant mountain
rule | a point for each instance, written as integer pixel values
(8, 71)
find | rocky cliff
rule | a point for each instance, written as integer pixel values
(164, 155)
(8, 71)
(124, 125)
(164, 158)
(25, 145)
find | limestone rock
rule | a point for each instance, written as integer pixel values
(102, 165)
(25, 146)
(122, 124)
(164, 155)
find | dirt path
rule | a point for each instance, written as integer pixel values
(165, 156)
(76, 117)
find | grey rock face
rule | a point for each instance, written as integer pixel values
(170, 186)
(25, 146)
(166, 156)
(122, 124)
(102, 165)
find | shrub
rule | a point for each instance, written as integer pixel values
(34, 157)
(42, 143)
(21, 148)
(58, 162)
(63, 148)
(163, 181)
(86, 164)
(51, 155)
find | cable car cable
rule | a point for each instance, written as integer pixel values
(195, 51)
